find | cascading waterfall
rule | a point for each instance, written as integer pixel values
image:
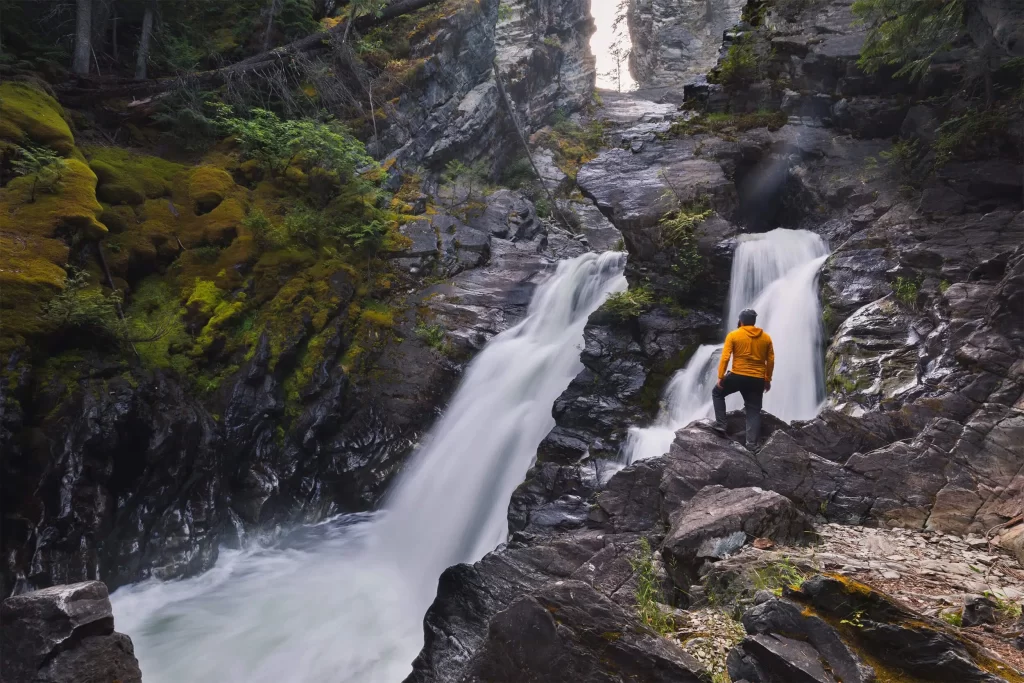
(775, 274)
(344, 601)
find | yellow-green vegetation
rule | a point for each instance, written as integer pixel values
(71, 209)
(208, 186)
(28, 115)
(649, 595)
(905, 289)
(573, 144)
(630, 304)
(129, 178)
(679, 236)
(777, 575)
(953, 617)
(728, 125)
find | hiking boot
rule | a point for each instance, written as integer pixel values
(719, 428)
(754, 448)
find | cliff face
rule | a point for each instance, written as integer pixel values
(922, 431)
(286, 383)
(677, 41)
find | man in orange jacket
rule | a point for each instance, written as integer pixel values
(753, 359)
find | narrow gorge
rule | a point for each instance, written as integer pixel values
(372, 341)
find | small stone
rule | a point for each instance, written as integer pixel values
(890, 574)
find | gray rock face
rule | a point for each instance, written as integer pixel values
(526, 643)
(64, 634)
(452, 109)
(674, 42)
(717, 522)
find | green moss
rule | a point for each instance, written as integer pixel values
(154, 307)
(29, 114)
(72, 209)
(129, 178)
(30, 275)
(727, 125)
(207, 187)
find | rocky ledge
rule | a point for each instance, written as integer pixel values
(673, 576)
(64, 634)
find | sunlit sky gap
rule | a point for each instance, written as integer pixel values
(603, 12)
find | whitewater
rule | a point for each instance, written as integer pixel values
(344, 601)
(776, 274)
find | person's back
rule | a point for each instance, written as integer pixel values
(753, 360)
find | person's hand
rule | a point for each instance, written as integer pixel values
(767, 387)
(719, 384)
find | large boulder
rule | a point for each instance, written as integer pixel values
(834, 629)
(64, 634)
(717, 522)
(570, 632)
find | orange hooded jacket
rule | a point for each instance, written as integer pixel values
(752, 352)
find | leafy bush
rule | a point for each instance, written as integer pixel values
(907, 33)
(433, 336)
(649, 597)
(45, 166)
(630, 304)
(267, 235)
(277, 144)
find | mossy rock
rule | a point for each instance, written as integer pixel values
(220, 226)
(129, 178)
(28, 115)
(119, 219)
(71, 209)
(207, 187)
(30, 275)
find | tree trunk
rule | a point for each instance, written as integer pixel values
(270, 25)
(83, 38)
(142, 60)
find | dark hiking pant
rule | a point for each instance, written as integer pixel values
(752, 390)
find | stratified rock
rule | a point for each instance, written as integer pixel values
(570, 632)
(64, 634)
(717, 522)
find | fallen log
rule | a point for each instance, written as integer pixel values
(89, 90)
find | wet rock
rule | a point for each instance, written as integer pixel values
(507, 215)
(978, 610)
(64, 634)
(717, 522)
(593, 639)
(898, 637)
(776, 658)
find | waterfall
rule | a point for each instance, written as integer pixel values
(343, 602)
(775, 273)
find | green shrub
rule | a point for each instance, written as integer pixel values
(649, 597)
(267, 235)
(277, 144)
(433, 336)
(741, 65)
(630, 304)
(81, 307)
(901, 158)
(907, 33)
(679, 236)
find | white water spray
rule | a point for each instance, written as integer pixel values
(775, 274)
(343, 602)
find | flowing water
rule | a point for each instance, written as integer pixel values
(775, 273)
(344, 601)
